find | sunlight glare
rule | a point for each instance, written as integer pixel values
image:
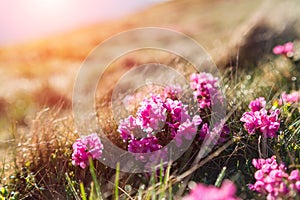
(49, 5)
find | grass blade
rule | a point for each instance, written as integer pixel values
(117, 182)
(82, 191)
(72, 187)
(95, 180)
(220, 177)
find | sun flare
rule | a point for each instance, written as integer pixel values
(48, 5)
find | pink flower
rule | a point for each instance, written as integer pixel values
(257, 104)
(272, 179)
(151, 116)
(259, 175)
(286, 49)
(218, 133)
(85, 147)
(158, 121)
(127, 127)
(203, 131)
(251, 121)
(293, 97)
(188, 129)
(177, 110)
(294, 175)
(269, 124)
(144, 145)
(297, 186)
(260, 120)
(258, 163)
(279, 49)
(203, 192)
(205, 87)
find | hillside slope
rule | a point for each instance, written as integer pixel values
(56, 60)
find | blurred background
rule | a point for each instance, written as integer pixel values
(42, 45)
(21, 21)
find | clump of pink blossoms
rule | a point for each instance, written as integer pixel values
(291, 98)
(158, 119)
(273, 180)
(260, 120)
(206, 92)
(86, 147)
(144, 145)
(205, 87)
(257, 104)
(286, 49)
(151, 115)
(203, 192)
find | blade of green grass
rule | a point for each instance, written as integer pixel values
(95, 180)
(82, 191)
(117, 182)
(72, 187)
(220, 177)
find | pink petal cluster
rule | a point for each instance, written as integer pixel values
(260, 120)
(187, 129)
(205, 87)
(151, 115)
(179, 122)
(86, 147)
(203, 192)
(178, 114)
(286, 49)
(291, 98)
(257, 104)
(167, 117)
(272, 179)
(219, 132)
(127, 127)
(144, 145)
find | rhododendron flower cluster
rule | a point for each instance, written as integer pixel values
(155, 115)
(286, 49)
(273, 180)
(291, 98)
(205, 87)
(86, 147)
(203, 192)
(260, 120)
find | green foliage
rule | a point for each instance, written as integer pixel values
(96, 190)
